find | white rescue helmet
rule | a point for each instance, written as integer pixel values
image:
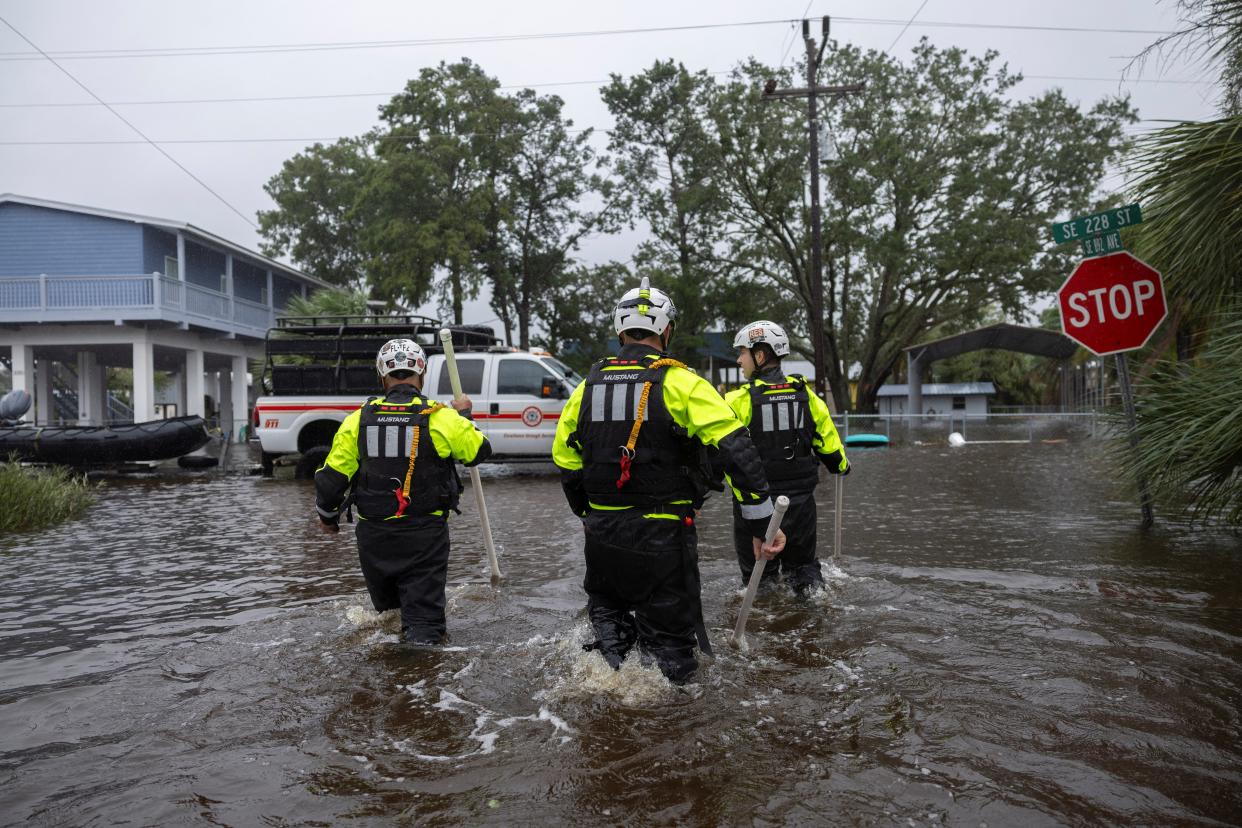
(644, 308)
(766, 333)
(400, 355)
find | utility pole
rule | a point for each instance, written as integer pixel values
(814, 56)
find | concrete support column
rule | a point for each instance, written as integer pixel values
(240, 397)
(44, 410)
(90, 395)
(144, 382)
(100, 384)
(224, 399)
(914, 384)
(23, 368)
(194, 383)
(176, 392)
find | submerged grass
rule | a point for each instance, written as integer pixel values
(36, 498)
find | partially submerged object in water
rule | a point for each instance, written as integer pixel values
(866, 441)
(93, 445)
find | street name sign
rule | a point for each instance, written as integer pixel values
(1096, 224)
(1112, 303)
(1101, 245)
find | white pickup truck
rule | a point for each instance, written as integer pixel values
(318, 371)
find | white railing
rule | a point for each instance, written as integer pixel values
(172, 292)
(21, 294)
(202, 301)
(98, 291)
(27, 297)
(251, 314)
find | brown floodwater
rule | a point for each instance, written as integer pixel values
(998, 644)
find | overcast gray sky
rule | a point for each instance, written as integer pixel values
(235, 146)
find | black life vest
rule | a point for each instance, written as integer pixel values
(387, 431)
(664, 457)
(783, 431)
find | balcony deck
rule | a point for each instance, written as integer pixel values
(130, 298)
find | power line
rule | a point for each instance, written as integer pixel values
(275, 48)
(793, 31)
(598, 131)
(260, 140)
(201, 51)
(139, 132)
(906, 27)
(344, 95)
(289, 97)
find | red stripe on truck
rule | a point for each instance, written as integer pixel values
(517, 415)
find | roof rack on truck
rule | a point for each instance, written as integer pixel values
(336, 354)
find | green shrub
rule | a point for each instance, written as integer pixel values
(36, 498)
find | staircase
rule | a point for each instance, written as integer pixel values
(64, 393)
(118, 410)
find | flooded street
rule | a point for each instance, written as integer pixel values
(1000, 644)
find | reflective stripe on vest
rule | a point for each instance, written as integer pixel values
(783, 431)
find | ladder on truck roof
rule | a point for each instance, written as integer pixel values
(336, 354)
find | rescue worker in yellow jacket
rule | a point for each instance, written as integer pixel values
(793, 431)
(632, 445)
(393, 460)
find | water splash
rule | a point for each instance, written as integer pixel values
(365, 618)
(573, 673)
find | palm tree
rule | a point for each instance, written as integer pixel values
(329, 302)
(1189, 179)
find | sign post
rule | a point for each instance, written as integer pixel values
(1112, 304)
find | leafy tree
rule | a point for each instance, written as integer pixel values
(441, 144)
(936, 209)
(662, 160)
(319, 217)
(542, 190)
(578, 319)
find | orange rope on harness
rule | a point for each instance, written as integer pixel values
(403, 491)
(627, 451)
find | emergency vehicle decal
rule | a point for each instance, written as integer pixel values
(532, 416)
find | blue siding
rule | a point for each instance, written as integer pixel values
(248, 280)
(36, 240)
(156, 244)
(205, 265)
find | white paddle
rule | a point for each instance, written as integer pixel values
(837, 524)
(738, 639)
(450, 361)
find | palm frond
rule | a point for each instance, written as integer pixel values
(1189, 181)
(1190, 430)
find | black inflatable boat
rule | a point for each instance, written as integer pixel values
(94, 445)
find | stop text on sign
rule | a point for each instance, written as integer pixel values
(1099, 305)
(1112, 303)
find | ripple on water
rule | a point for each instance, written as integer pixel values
(995, 643)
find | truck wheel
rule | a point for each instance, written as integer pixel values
(309, 462)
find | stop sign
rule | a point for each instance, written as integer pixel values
(1112, 303)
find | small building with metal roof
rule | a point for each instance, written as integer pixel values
(948, 398)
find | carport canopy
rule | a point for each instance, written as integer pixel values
(1002, 336)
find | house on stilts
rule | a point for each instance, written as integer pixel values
(87, 291)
